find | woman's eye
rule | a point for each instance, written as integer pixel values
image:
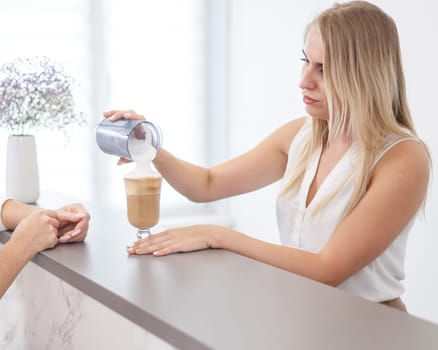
(304, 59)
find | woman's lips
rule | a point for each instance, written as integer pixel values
(308, 100)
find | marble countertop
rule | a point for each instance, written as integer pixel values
(214, 299)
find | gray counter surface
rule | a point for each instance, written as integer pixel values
(215, 299)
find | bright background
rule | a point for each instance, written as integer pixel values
(217, 76)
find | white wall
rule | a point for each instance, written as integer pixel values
(266, 42)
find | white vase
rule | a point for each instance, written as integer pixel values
(22, 179)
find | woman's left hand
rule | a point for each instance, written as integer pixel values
(73, 223)
(184, 239)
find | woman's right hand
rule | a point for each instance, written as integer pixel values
(114, 115)
(37, 232)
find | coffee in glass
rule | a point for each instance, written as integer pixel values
(143, 202)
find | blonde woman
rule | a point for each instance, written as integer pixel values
(35, 229)
(354, 173)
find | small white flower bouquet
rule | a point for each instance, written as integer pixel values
(35, 93)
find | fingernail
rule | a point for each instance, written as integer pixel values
(64, 239)
(139, 251)
(80, 215)
(75, 233)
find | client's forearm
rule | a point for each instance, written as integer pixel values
(13, 257)
(12, 212)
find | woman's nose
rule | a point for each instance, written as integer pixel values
(307, 79)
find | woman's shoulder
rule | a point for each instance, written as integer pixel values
(408, 157)
(404, 149)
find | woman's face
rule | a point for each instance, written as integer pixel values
(312, 83)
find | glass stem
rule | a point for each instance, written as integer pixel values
(142, 233)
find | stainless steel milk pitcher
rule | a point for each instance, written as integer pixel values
(115, 137)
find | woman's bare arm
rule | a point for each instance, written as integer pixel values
(256, 168)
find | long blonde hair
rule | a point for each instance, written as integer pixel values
(364, 84)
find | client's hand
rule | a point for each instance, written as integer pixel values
(73, 223)
(37, 232)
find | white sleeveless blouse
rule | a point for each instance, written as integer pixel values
(301, 228)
